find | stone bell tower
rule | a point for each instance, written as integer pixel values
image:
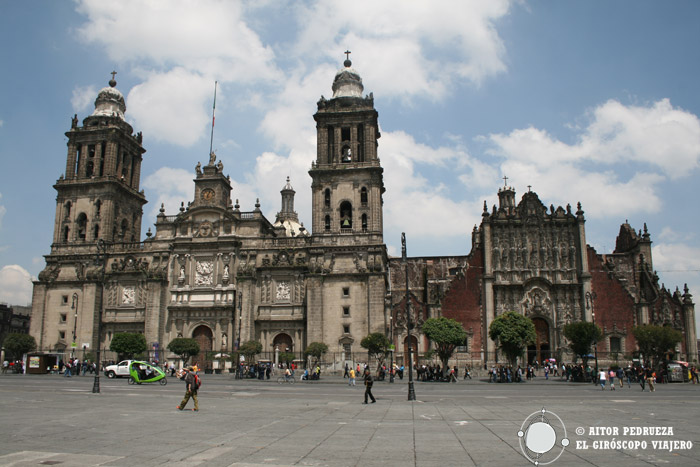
(347, 178)
(99, 196)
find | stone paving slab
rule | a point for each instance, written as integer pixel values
(50, 420)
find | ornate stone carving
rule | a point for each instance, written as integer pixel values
(283, 291)
(128, 295)
(204, 273)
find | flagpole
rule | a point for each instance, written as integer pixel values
(213, 119)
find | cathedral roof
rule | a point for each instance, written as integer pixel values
(110, 102)
(347, 82)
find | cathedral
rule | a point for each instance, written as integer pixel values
(224, 276)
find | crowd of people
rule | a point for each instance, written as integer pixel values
(74, 366)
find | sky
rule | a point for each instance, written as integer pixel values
(585, 101)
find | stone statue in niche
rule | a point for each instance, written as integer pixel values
(225, 278)
(181, 277)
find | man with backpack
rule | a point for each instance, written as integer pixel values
(192, 384)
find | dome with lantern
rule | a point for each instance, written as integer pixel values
(110, 102)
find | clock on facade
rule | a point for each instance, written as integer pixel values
(208, 194)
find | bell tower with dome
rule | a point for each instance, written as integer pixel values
(99, 196)
(347, 177)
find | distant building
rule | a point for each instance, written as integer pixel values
(222, 275)
(14, 319)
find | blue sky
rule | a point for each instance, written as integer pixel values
(591, 101)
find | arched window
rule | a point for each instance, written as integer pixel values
(66, 232)
(327, 198)
(124, 228)
(98, 207)
(364, 222)
(68, 207)
(345, 215)
(328, 224)
(96, 232)
(363, 196)
(82, 226)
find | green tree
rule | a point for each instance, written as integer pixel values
(582, 335)
(287, 357)
(128, 344)
(316, 350)
(377, 345)
(18, 344)
(447, 334)
(184, 347)
(655, 341)
(250, 349)
(512, 332)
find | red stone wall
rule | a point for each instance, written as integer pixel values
(613, 306)
(462, 301)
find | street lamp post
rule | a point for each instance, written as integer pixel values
(411, 389)
(391, 349)
(100, 258)
(590, 298)
(238, 338)
(74, 307)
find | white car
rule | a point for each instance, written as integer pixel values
(120, 369)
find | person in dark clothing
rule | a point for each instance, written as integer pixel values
(368, 386)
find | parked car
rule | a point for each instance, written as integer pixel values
(118, 370)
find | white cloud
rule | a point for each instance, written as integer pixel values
(408, 48)
(170, 187)
(83, 97)
(172, 106)
(179, 48)
(209, 36)
(1, 123)
(624, 154)
(15, 285)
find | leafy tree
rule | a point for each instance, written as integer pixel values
(184, 347)
(250, 349)
(287, 357)
(447, 334)
(513, 332)
(128, 344)
(19, 344)
(655, 341)
(376, 344)
(582, 335)
(316, 350)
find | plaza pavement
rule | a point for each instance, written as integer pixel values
(53, 420)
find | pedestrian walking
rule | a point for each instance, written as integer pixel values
(347, 372)
(368, 386)
(601, 378)
(641, 376)
(651, 379)
(351, 377)
(191, 386)
(611, 374)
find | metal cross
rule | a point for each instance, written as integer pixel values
(529, 188)
(113, 73)
(347, 54)
(505, 181)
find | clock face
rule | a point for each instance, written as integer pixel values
(208, 194)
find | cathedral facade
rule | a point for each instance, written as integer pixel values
(225, 276)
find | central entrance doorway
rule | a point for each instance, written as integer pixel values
(204, 337)
(541, 349)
